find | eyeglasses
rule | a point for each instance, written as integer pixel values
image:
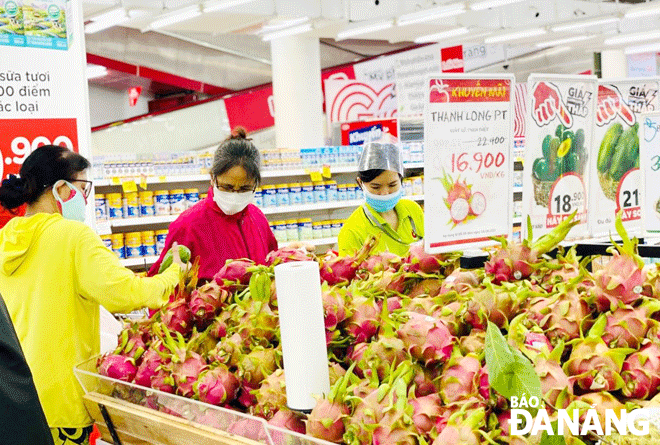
(230, 188)
(87, 188)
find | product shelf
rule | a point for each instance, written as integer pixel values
(116, 182)
(306, 171)
(139, 261)
(413, 165)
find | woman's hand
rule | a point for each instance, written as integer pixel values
(302, 245)
(176, 258)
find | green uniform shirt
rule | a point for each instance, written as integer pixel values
(358, 227)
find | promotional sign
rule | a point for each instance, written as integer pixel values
(353, 100)
(43, 93)
(452, 59)
(134, 95)
(616, 178)
(468, 121)
(358, 133)
(558, 133)
(649, 140)
(411, 70)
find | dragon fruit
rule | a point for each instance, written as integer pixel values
(474, 342)
(259, 364)
(460, 281)
(234, 273)
(380, 262)
(364, 321)
(396, 428)
(421, 305)
(217, 386)
(418, 261)
(463, 429)
(218, 328)
(497, 304)
(326, 421)
(229, 350)
(528, 337)
(336, 270)
(518, 261)
(246, 397)
(426, 338)
(163, 380)
(426, 380)
(600, 401)
(641, 372)
(118, 367)
(185, 365)
(428, 287)
(271, 396)
(565, 267)
(593, 365)
(388, 281)
(334, 306)
(288, 254)
(206, 300)
(460, 378)
(394, 303)
(556, 386)
(176, 317)
(285, 418)
(367, 413)
(627, 325)
(504, 421)
(426, 412)
(151, 360)
(452, 315)
(623, 277)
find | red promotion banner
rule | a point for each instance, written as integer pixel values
(469, 90)
(452, 59)
(356, 133)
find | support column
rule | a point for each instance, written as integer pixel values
(297, 92)
(613, 64)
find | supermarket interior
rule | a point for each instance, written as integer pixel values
(431, 213)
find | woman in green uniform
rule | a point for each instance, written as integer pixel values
(396, 221)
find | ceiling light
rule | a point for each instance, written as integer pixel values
(648, 48)
(643, 11)
(107, 20)
(515, 35)
(480, 6)
(176, 17)
(94, 71)
(287, 32)
(277, 25)
(584, 24)
(631, 38)
(224, 4)
(431, 14)
(558, 42)
(373, 27)
(442, 35)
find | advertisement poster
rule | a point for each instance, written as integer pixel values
(468, 121)
(358, 133)
(354, 100)
(616, 178)
(43, 92)
(649, 140)
(558, 134)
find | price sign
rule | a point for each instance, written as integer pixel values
(616, 180)
(559, 124)
(467, 160)
(649, 153)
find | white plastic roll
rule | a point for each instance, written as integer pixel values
(305, 354)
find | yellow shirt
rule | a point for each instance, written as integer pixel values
(358, 227)
(54, 274)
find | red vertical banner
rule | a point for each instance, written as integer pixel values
(134, 95)
(452, 59)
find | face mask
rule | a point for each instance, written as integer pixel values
(74, 207)
(383, 203)
(231, 203)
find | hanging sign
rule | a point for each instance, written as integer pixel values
(649, 140)
(616, 178)
(560, 114)
(468, 121)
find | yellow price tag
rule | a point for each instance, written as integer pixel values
(143, 182)
(316, 176)
(129, 186)
(162, 178)
(326, 172)
(115, 181)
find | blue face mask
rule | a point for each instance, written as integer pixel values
(383, 203)
(74, 207)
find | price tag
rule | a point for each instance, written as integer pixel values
(129, 186)
(326, 172)
(315, 176)
(103, 227)
(567, 196)
(143, 182)
(628, 196)
(115, 181)
(162, 178)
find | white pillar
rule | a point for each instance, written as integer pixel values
(297, 92)
(613, 64)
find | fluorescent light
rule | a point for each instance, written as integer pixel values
(224, 4)
(631, 38)
(94, 71)
(442, 35)
(648, 48)
(283, 24)
(480, 6)
(356, 31)
(176, 17)
(584, 24)
(643, 11)
(287, 32)
(428, 15)
(558, 42)
(515, 35)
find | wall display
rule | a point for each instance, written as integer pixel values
(353, 100)
(649, 140)
(358, 133)
(558, 134)
(467, 160)
(616, 178)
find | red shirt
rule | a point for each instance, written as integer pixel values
(216, 237)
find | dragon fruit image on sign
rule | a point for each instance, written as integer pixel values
(463, 204)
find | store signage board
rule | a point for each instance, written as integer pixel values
(467, 160)
(616, 179)
(43, 95)
(649, 140)
(558, 134)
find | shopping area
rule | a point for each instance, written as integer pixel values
(514, 161)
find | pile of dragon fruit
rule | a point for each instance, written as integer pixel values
(406, 341)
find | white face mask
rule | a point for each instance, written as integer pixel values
(231, 203)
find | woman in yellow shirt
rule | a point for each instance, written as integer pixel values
(54, 273)
(397, 222)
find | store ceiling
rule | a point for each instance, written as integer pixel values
(225, 48)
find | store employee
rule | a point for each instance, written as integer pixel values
(398, 222)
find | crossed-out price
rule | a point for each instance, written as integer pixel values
(476, 161)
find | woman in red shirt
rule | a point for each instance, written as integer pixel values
(225, 225)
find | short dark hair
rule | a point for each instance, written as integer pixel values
(237, 150)
(41, 169)
(369, 175)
